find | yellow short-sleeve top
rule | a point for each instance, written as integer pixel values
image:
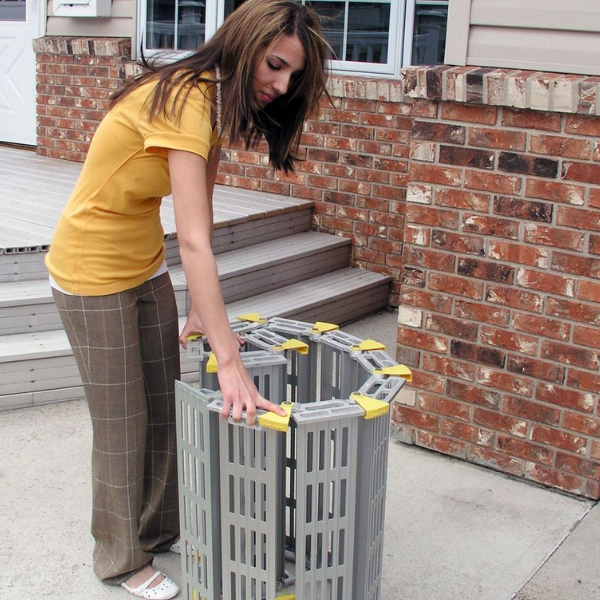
(109, 237)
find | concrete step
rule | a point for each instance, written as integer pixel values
(28, 307)
(39, 368)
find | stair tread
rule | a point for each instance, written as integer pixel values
(283, 302)
(230, 264)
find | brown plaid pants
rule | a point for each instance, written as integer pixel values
(127, 352)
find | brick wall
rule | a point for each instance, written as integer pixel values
(500, 313)
(478, 191)
(75, 77)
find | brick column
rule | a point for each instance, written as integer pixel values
(75, 77)
(500, 313)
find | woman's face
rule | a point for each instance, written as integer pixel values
(276, 67)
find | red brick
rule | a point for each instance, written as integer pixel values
(429, 259)
(492, 182)
(413, 276)
(415, 338)
(525, 408)
(426, 300)
(473, 394)
(581, 125)
(515, 253)
(338, 224)
(448, 367)
(509, 340)
(410, 416)
(523, 209)
(444, 406)
(439, 132)
(546, 282)
(497, 460)
(462, 199)
(558, 439)
(457, 242)
(577, 466)
(441, 444)
(594, 244)
(543, 326)
(594, 198)
(372, 147)
(341, 143)
(485, 115)
(452, 327)
(531, 119)
(503, 380)
(491, 226)
(588, 314)
(468, 157)
(525, 450)
(553, 236)
(589, 290)
(481, 269)
(554, 478)
(373, 176)
(499, 422)
(555, 191)
(475, 353)
(527, 164)
(357, 132)
(567, 147)
(458, 286)
(497, 138)
(481, 313)
(468, 433)
(584, 172)
(570, 355)
(563, 396)
(435, 174)
(434, 217)
(578, 265)
(509, 296)
(533, 367)
(426, 381)
(595, 452)
(581, 423)
(419, 236)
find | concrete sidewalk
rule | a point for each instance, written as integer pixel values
(454, 531)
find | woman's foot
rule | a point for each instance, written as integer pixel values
(151, 584)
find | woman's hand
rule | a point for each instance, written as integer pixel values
(240, 393)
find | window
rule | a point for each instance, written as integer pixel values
(366, 37)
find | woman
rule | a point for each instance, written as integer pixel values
(260, 75)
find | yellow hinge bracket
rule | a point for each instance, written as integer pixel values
(211, 363)
(252, 317)
(367, 345)
(373, 408)
(293, 344)
(395, 371)
(321, 327)
(271, 420)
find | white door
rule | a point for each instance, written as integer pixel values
(20, 23)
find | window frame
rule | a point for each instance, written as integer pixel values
(402, 15)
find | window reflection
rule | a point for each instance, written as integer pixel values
(12, 10)
(176, 25)
(429, 34)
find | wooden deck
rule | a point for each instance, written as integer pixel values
(34, 190)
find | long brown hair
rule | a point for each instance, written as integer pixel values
(251, 28)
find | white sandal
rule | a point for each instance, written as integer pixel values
(166, 589)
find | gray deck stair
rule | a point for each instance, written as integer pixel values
(268, 260)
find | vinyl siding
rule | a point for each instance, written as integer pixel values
(539, 35)
(121, 23)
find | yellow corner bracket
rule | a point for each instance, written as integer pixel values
(321, 327)
(286, 597)
(373, 408)
(252, 317)
(367, 345)
(194, 336)
(272, 421)
(293, 344)
(211, 363)
(395, 371)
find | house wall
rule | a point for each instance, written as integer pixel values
(546, 35)
(478, 191)
(499, 315)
